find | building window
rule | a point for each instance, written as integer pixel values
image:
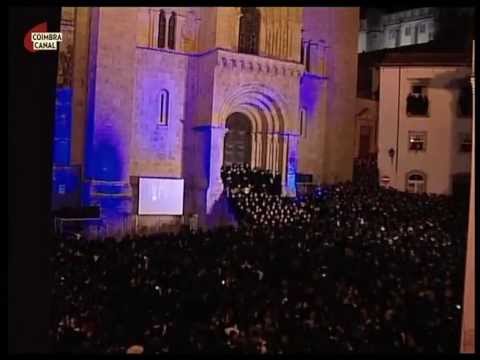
(307, 56)
(172, 23)
(417, 141)
(465, 143)
(407, 31)
(393, 34)
(302, 52)
(303, 123)
(422, 28)
(249, 31)
(164, 104)
(465, 100)
(162, 23)
(430, 36)
(416, 182)
(417, 101)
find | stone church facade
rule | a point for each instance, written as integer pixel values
(161, 92)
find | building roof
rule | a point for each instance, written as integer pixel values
(425, 59)
(428, 54)
(431, 53)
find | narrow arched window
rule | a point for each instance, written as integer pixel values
(249, 31)
(302, 51)
(172, 23)
(164, 104)
(162, 23)
(303, 122)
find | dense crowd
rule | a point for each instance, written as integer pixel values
(365, 172)
(256, 198)
(238, 177)
(369, 269)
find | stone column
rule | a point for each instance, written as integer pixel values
(259, 148)
(215, 185)
(268, 149)
(253, 157)
(276, 160)
(80, 88)
(274, 150)
(179, 30)
(468, 323)
(283, 169)
(292, 160)
(110, 112)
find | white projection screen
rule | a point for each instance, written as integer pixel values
(157, 196)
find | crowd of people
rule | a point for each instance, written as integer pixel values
(368, 269)
(255, 196)
(238, 177)
(365, 171)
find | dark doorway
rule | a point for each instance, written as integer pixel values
(364, 143)
(238, 140)
(461, 186)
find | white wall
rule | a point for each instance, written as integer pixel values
(397, 21)
(415, 26)
(442, 157)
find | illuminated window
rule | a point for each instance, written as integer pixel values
(303, 123)
(249, 30)
(172, 23)
(465, 143)
(417, 141)
(161, 29)
(164, 107)
(416, 182)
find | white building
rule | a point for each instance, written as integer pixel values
(425, 121)
(468, 323)
(409, 27)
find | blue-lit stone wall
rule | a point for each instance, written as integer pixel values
(110, 112)
(63, 123)
(66, 186)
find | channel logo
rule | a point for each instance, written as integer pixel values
(39, 39)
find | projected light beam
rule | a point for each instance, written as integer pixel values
(160, 196)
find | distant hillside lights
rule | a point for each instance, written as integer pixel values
(46, 40)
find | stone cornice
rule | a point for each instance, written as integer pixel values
(244, 62)
(259, 64)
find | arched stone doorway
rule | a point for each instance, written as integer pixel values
(237, 147)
